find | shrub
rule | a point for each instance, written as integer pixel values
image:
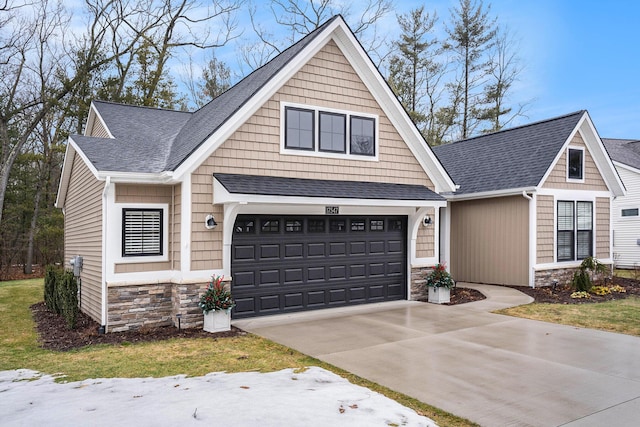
(580, 294)
(68, 286)
(61, 294)
(51, 277)
(582, 279)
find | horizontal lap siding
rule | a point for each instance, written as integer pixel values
(545, 222)
(603, 214)
(627, 229)
(490, 240)
(327, 80)
(140, 194)
(83, 233)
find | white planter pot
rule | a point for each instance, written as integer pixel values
(217, 321)
(439, 295)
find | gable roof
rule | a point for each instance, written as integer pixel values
(155, 145)
(624, 151)
(516, 158)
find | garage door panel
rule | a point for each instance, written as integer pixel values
(293, 264)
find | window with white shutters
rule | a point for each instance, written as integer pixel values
(141, 232)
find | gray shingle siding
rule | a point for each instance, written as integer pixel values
(509, 159)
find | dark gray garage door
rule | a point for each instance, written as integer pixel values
(292, 263)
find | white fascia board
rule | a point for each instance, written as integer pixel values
(138, 178)
(96, 116)
(67, 166)
(490, 194)
(222, 196)
(394, 111)
(573, 194)
(601, 156)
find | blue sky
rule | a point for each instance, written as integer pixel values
(578, 55)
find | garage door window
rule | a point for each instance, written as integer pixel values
(357, 225)
(245, 226)
(316, 226)
(338, 225)
(270, 226)
(293, 226)
(395, 225)
(376, 225)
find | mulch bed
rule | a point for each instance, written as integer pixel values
(53, 333)
(461, 296)
(562, 293)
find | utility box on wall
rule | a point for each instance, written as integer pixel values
(76, 264)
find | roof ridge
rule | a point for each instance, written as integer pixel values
(539, 122)
(120, 104)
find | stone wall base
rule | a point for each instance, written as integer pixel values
(563, 276)
(419, 288)
(136, 306)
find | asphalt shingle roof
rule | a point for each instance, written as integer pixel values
(509, 159)
(298, 187)
(154, 140)
(625, 151)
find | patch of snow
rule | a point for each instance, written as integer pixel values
(313, 397)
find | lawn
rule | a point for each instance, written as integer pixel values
(192, 357)
(622, 316)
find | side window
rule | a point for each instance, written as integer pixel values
(630, 212)
(363, 136)
(299, 125)
(141, 232)
(575, 166)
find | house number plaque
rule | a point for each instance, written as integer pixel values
(332, 210)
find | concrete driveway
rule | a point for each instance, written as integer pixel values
(492, 369)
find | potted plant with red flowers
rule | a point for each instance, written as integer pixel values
(216, 304)
(439, 282)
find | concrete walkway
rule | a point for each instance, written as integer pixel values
(492, 369)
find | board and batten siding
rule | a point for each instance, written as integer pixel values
(592, 178)
(141, 194)
(490, 240)
(328, 81)
(83, 233)
(626, 230)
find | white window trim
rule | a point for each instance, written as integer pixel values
(584, 162)
(575, 200)
(117, 227)
(325, 154)
(629, 217)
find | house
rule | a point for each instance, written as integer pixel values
(533, 202)
(625, 209)
(306, 185)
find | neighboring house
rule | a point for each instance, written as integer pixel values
(533, 202)
(306, 183)
(626, 209)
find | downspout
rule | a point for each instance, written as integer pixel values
(105, 200)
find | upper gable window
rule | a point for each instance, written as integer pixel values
(575, 164)
(338, 134)
(299, 124)
(363, 136)
(333, 129)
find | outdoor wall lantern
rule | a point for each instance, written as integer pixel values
(426, 221)
(210, 222)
